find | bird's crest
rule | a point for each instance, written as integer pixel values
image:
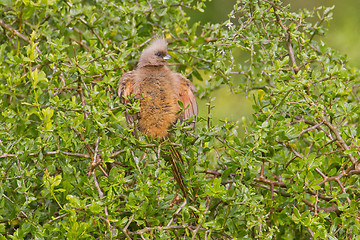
(159, 44)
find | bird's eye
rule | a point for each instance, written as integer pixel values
(159, 54)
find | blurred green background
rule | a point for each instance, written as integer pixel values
(343, 34)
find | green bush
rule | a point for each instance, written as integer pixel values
(71, 167)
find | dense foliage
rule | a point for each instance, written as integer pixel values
(70, 166)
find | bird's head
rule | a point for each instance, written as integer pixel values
(155, 54)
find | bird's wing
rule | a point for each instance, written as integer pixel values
(126, 84)
(126, 88)
(187, 97)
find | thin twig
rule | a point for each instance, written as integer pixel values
(96, 149)
(136, 160)
(56, 218)
(149, 229)
(101, 195)
(89, 149)
(177, 212)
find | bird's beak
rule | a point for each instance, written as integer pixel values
(167, 56)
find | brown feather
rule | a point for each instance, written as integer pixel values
(187, 97)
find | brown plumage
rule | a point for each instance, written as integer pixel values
(159, 90)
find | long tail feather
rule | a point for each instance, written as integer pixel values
(175, 157)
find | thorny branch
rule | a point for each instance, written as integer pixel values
(13, 31)
(288, 36)
(333, 133)
(88, 147)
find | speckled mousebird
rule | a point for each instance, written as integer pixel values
(159, 90)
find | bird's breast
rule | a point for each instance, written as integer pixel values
(158, 105)
(157, 86)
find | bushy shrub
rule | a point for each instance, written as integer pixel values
(71, 167)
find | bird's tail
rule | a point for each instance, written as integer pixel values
(176, 157)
